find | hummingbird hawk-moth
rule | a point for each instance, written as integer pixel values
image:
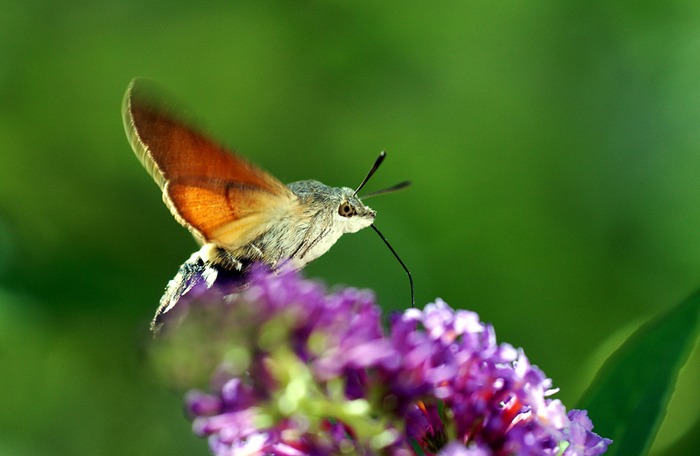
(238, 213)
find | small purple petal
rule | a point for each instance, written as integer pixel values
(199, 403)
(583, 442)
(458, 449)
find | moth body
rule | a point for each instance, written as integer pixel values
(319, 217)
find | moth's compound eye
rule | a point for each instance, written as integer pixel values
(346, 210)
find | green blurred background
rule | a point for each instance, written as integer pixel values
(554, 149)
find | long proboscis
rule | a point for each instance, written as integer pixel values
(396, 255)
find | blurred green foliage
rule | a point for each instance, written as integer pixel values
(633, 418)
(554, 149)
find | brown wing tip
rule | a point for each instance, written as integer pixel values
(141, 94)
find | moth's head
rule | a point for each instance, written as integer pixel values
(337, 204)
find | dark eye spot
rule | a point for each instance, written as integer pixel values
(346, 210)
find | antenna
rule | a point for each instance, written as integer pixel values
(392, 189)
(410, 278)
(377, 162)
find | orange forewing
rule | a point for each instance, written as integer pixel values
(219, 196)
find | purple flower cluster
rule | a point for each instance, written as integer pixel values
(295, 370)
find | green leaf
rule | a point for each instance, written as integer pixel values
(627, 400)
